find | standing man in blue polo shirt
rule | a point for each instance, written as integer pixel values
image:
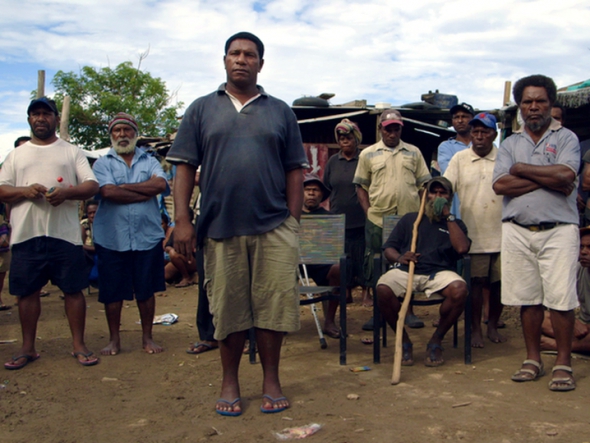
(461, 115)
(249, 147)
(127, 231)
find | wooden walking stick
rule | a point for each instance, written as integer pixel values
(397, 358)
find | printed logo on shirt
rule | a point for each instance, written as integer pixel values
(550, 152)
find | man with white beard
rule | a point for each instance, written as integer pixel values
(127, 231)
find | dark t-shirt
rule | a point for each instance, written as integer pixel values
(338, 176)
(244, 158)
(434, 244)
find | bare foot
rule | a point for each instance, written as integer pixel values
(548, 343)
(331, 330)
(152, 348)
(476, 339)
(113, 348)
(367, 299)
(495, 336)
(184, 283)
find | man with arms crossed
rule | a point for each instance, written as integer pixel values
(127, 231)
(251, 155)
(43, 180)
(536, 173)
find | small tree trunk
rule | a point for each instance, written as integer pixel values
(40, 83)
(65, 119)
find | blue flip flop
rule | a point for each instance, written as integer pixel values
(273, 400)
(13, 366)
(229, 403)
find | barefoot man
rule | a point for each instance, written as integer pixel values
(127, 231)
(251, 155)
(43, 180)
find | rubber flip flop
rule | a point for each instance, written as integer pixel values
(13, 366)
(332, 334)
(229, 403)
(88, 361)
(368, 326)
(185, 285)
(413, 322)
(367, 341)
(207, 346)
(5, 307)
(273, 401)
(430, 359)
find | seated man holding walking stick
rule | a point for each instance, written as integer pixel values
(442, 240)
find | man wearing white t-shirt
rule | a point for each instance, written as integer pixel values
(43, 180)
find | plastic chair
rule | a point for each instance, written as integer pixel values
(381, 266)
(321, 242)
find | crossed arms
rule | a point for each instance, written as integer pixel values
(524, 178)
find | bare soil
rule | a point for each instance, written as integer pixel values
(170, 397)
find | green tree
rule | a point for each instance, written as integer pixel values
(96, 95)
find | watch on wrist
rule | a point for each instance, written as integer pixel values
(451, 218)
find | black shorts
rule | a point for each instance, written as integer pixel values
(40, 259)
(123, 274)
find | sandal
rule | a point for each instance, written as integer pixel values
(562, 384)
(430, 359)
(407, 354)
(524, 374)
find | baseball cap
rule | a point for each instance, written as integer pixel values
(44, 101)
(463, 107)
(585, 230)
(390, 116)
(487, 119)
(440, 180)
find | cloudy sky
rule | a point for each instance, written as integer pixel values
(378, 50)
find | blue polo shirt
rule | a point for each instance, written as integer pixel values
(132, 226)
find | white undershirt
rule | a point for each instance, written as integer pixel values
(237, 104)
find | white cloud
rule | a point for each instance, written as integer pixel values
(379, 50)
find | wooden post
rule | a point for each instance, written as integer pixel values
(507, 88)
(65, 119)
(40, 83)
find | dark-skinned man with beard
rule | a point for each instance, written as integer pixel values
(442, 240)
(536, 173)
(43, 180)
(127, 231)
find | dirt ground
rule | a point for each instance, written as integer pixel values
(170, 397)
